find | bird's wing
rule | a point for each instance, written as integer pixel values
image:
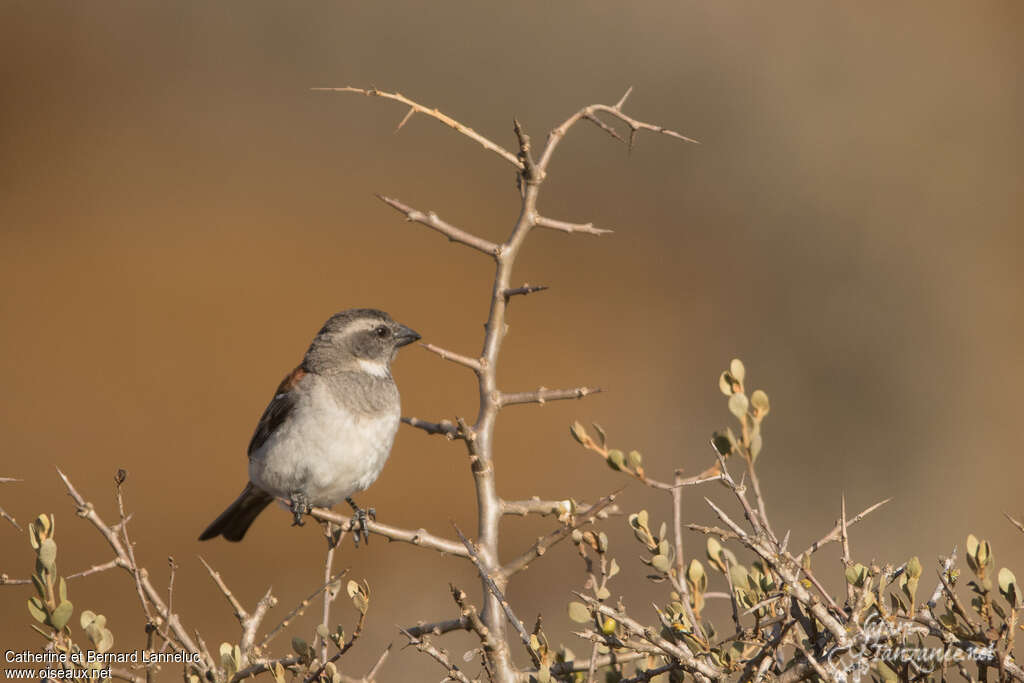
(278, 409)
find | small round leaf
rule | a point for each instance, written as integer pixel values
(578, 612)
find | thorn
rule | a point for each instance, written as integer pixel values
(405, 119)
(622, 100)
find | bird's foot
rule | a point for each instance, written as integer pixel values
(300, 507)
(360, 526)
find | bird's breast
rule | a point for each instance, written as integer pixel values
(325, 449)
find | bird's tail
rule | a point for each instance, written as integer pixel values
(235, 521)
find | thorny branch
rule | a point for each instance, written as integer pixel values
(479, 436)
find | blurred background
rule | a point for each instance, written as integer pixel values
(179, 213)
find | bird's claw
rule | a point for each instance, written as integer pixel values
(300, 507)
(360, 521)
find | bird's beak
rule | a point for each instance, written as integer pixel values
(406, 335)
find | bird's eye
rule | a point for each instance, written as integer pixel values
(382, 331)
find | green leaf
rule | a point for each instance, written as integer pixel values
(35, 608)
(300, 646)
(603, 594)
(737, 370)
(856, 575)
(360, 595)
(61, 616)
(914, 567)
(578, 612)
(756, 443)
(579, 433)
(635, 459)
(661, 563)
(984, 554)
(1008, 587)
(738, 404)
(230, 658)
(759, 400)
(48, 554)
(738, 574)
(616, 460)
(613, 568)
(105, 641)
(696, 575)
(725, 383)
(972, 552)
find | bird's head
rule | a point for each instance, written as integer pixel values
(359, 338)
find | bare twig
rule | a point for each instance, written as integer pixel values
(679, 580)
(252, 624)
(836, 533)
(675, 651)
(543, 395)
(472, 618)
(119, 479)
(240, 612)
(524, 290)
(183, 641)
(564, 226)
(356, 633)
(457, 358)
(434, 114)
(440, 656)
(8, 581)
(492, 586)
(846, 561)
(552, 508)
(438, 628)
(576, 666)
(445, 427)
(299, 609)
(542, 544)
(375, 669)
(418, 537)
(605, 127)
(3, 513)
(431, 220)
(589, 113)
(95, 569)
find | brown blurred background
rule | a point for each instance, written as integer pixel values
(180, 213)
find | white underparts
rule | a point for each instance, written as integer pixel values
(324, 449)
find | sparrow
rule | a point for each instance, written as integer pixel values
(328, 430)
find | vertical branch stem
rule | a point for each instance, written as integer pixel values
(482, 446)
(332, 543)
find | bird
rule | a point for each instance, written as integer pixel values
(329, 428)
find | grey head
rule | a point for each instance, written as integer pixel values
(359, 339)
